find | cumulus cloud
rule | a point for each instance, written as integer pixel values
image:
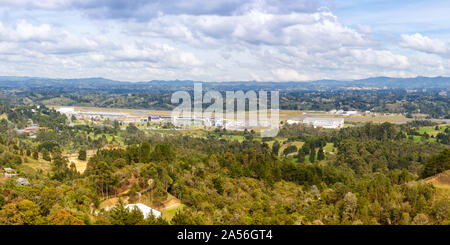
(424, 44)
(44, 38)
(379, 58)
(24, 31)
(319, 30)
(156, 53)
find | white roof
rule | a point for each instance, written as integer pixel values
(292, 122)
(145, 210)
(66, 109)
(22, 181)
(323, 120)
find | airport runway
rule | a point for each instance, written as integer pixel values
(382, 119)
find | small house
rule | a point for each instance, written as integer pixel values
(9, 172)
(22, 181)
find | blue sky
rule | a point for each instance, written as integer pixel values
(225, 40)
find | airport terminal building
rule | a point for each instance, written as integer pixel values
(322, 122)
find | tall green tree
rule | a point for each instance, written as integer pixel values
(145, 152)
(312, 155)
(46, 155)
(276, 148)
(301, 156)
(437, 164)
(320, 154)
(82, 155)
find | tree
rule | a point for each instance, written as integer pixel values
(276, 148)
(60, 169)
(301, 156)
(56, 153)
(290, 149)
(218, 185)
(82, 155)
(25, 212)
(49, 197)
(35, 155)
(46, 155)
(134, 189)
(406, 219)
(64, 217)
(2, 201)
(120, 215)
(182, 218)
(162, 152)
(306, 148)
(312, 155)
(441, 210)
(437, 164)
(320, 154)
(145, 152)
(116, 126)
(350, 205)
(420, 219)
(102, 176)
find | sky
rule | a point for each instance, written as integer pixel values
(224, 40)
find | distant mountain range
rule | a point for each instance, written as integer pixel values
(38, 83)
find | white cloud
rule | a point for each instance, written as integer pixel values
(45, 39)
(41, 4)
(289, 75)
(424, 44)
(379, 58)
(156, 53)
(263, 40)
(24, 31)
(320, 30)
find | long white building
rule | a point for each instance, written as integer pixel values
(322, 122)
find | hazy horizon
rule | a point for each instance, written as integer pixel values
(233, 81)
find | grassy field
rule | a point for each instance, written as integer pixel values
(432, 131)
(109, 137)
(79, 164)
(298, 144)
(442, 183)
(32, 165)
(239, 138)
(168, 214)
(330, 148)
(3, 179)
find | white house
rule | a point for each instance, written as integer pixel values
(350, 113)
(66, 110)
(22, 181)
(9, 172)
(292, 122)
(145, 210)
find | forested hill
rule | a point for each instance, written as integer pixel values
(32, 83)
